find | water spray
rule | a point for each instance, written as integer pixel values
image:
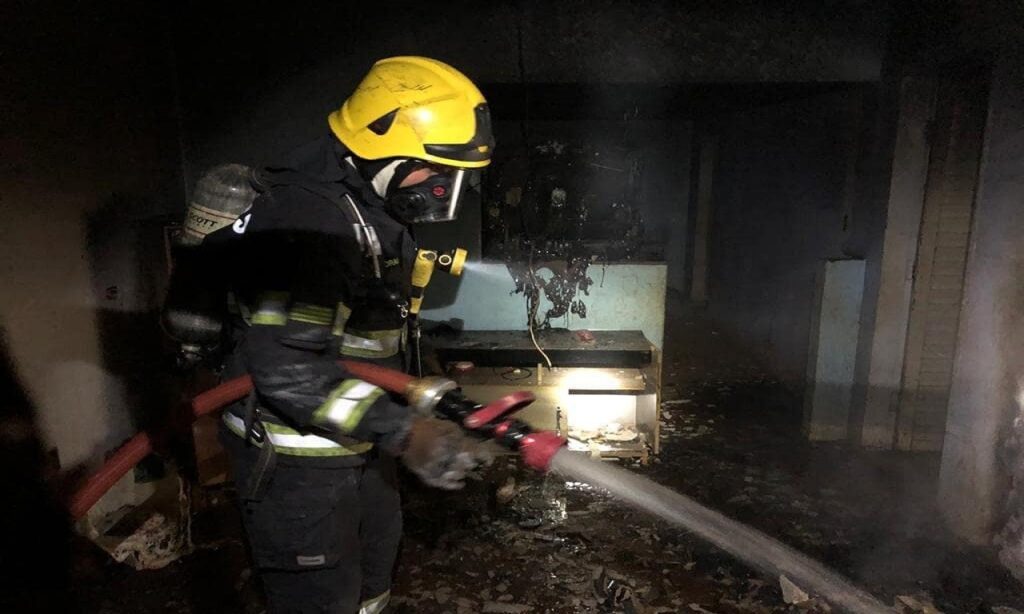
(544, 450)
(747, 544)
(489, 270)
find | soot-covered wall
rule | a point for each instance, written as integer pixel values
(90, 166)
(258, 81)
(785, 197)
(643, 164)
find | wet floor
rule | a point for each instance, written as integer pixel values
(517, 542)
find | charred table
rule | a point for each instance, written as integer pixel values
(565, 348)
(602, 391)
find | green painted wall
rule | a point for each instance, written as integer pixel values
(623, 297)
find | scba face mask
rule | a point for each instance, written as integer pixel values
(437, 198)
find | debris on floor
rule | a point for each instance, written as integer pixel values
(611, 432)
(157, 543)
(916, 603)
(506, 608)
(522, 543)
(153, 534)
(791, 593)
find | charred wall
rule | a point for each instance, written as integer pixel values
(605, 170)
(91, 164)
(786, 195)
(259, 80)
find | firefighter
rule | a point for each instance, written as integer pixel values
(319, 269)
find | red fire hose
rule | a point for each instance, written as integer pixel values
(536, 448)
(233, 390)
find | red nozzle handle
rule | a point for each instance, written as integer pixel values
(537, 449)
(491, 412)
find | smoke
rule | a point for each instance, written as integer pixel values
(1010, 540)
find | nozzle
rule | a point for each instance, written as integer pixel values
(492, 421)
(537, 449)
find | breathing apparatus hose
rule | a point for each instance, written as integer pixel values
(438, 396)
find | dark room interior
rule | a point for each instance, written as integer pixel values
(516, 307)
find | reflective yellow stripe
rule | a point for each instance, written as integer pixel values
(288, 441)
(271, 309)
(269, 319)
(346, 405)
(360, 448)
(311, 314)
(341, 315)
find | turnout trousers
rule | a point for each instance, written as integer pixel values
(323, 538)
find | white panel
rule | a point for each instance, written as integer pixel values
(834, 350)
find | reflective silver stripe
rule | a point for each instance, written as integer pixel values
(339, 411)
(360, 391)
(346, 405)
(286, 440)
(375, 605)
(374, 345)
(362, 343)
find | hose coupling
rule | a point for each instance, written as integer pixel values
(425, 393)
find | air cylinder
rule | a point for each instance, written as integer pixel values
(194, 309)
(219, 198)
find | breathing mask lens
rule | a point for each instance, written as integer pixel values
(435, 199)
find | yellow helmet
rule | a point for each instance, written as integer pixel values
(414, 107)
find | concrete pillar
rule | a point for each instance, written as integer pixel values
(989, 366)
(899, 253)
